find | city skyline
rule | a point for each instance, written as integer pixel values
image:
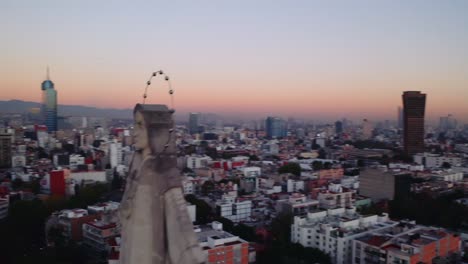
(313, 60)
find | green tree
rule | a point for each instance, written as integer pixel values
(245, 232)
(293, 168)
(17, 183)
(117, 181)
(228, 225)
(204, 211)
(253, 158)
(317, 165)
(280, 250)
(446, 165)
(207, 187)
(361, 163)
(34, 185)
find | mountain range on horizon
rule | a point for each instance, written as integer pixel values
(20, 107)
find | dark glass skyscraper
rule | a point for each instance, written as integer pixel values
(275, 127)
(49, 104)
(414, 104)
(338, 127)
(194, 123)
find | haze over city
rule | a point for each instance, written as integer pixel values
(313, 59)
(242, 132)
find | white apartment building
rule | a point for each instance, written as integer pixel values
(335, 197)
(250, 180)
(333, 230)
(295, 186)
(236, 211)
(448, 176)
(187, 186)
(76, 160)
(98, 176)
(192, 212)
(115, 154)
(350, 182)
(197, 162)
(430, 160)
(404, 166)
(103, 207)
(251, 171)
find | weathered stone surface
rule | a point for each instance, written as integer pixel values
(155, 224)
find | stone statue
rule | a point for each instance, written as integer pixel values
(155, 224)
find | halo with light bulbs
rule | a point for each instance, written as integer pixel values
(166, 78)
(171, 94)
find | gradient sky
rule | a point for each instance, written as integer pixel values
(309, 59)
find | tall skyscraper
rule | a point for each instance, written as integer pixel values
(414, 104)
(275, 127)
(367, 129)
(49, 103)
(338, 127)
(194, 123)
(400, 117)
(5, 148)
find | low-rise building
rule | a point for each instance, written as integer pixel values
(97, 233)
(331, 174)
(448, 176)
(103, 207)
(70, 222)
(96, 176)
(405, 166)
(219, 246)
(297, 204)
(192, 211)
(335, 197)
(187, 186)
(235, 211)
(382, 184)
(430, 160)
(417, 244)
(197, 162)
(295, 186)
(332, 231)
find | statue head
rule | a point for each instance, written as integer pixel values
(153, 129)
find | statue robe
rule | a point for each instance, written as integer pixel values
(156, 227)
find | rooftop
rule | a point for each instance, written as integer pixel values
(101, 224)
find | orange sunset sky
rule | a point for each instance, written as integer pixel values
(307, 59)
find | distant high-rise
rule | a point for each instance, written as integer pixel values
(338, 127)
(367, 129)
(414, 104)
(49, 103)
(5, 148)
(400, 117)
(447, 123)
(275, 127)
(194, 123)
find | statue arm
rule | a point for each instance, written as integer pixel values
(182, 242)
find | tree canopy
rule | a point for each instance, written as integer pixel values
(293, 168)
